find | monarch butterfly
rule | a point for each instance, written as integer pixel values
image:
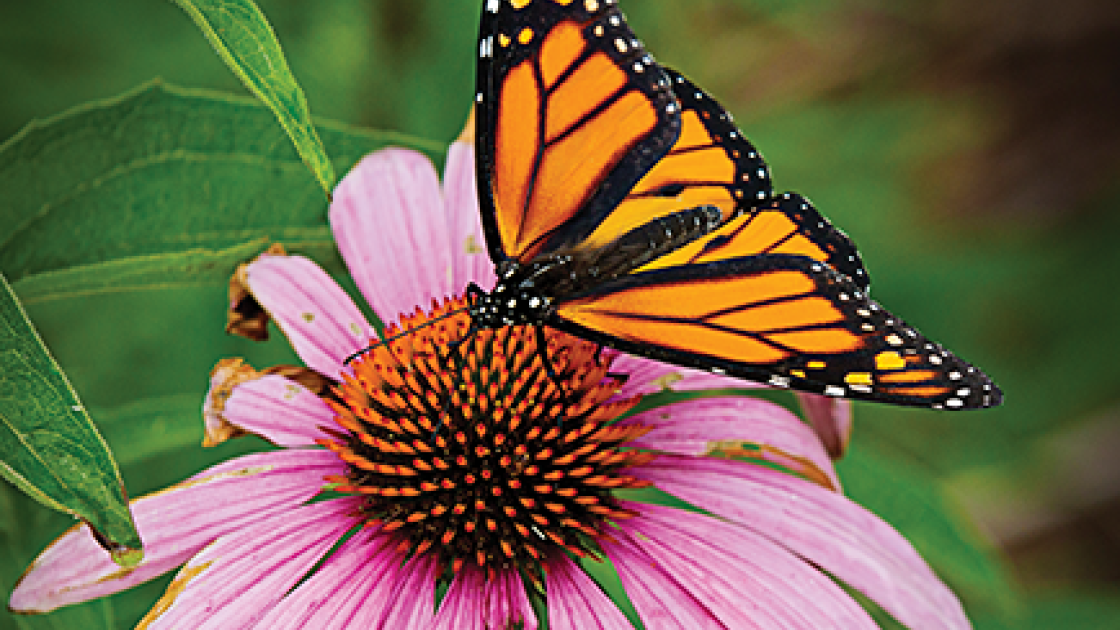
(621, 204)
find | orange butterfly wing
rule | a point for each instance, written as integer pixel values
(783, 319)
(711, 163)
(572, 112)
(787, 224)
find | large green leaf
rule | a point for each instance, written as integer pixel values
(244, 40)
(158, 188)
(49, 448)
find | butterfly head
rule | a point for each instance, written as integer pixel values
(515, 299)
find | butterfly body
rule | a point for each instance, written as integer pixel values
(524, 293)
(621, 204)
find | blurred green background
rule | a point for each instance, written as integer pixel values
(970, 150)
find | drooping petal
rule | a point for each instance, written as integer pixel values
(649, 376)
(575, 601)
(470, 262)
(720, 424)
(174, 525)
(279, 410)
(357, 580)
(234, 581)
(832, 419)
(823, 527)
(388, 220)
(741, 577)
(320, 320)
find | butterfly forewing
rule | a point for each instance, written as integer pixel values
(571, 113)
(711, 163)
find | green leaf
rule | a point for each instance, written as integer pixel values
(161, 187)
(915, 504)
(49, 448)
(241, 35)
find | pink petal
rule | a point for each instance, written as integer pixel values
(320, 320)
(174, 525)
(389, 222)
(648, 376)
(470, 261)
(823, 527)
(413, 602)
(473, 601)
(696, 427)
(358, 579)
(233, 582)
(661, 601)
(740, 576)
(832, 419)
(575, 601)
(279, 410)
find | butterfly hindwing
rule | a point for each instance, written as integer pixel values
(781, 319)
(571, 112)
(787, 224)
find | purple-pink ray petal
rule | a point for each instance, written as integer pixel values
(575, 601)
(823, 527)
(662, 602)
(412, 602)
(649, 376)
(697, 427)
(233, 582)
(831, 418)
(388, 220)
(740, 576)
(470, 262)
(279, 410)
(475, 602)
(462, 606)
(322, 323)
(341, 589)
(174, 525)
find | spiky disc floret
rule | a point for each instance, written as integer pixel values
(470, 447)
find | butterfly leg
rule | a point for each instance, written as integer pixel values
(550, 369)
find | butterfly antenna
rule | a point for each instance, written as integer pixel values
(404, 333)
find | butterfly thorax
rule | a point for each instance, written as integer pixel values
(517, 297)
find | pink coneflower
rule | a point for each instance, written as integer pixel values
(460, 465)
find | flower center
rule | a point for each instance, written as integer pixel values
(473, 448)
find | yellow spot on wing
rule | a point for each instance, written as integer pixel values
(520, 4)
(503, 40)
(525, 36)
(798, 373)
(858, 378)
(889, 361)
(815, 365)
